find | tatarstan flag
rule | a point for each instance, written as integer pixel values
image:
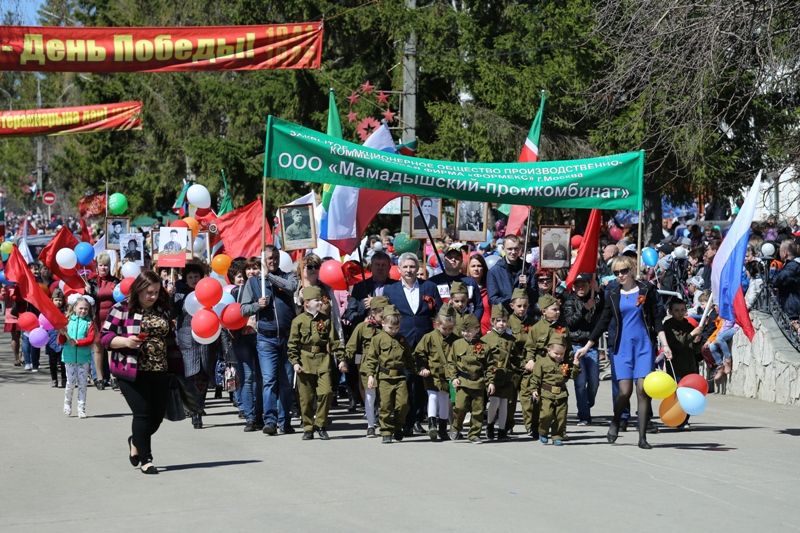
(529, 154)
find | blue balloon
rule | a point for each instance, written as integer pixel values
(118, 296)
(650, 257)
(4, 256)
(227, 298)
(84, 252)
(692, 400)
(3, 278)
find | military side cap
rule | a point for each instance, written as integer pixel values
(458, 287)
(546, 300)
(470, 322)
(498, 311)
(557, 338)
(518, 293)
(389, 310)
(447, 310)
(378, 302)
(311, 293)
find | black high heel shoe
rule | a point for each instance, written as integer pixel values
(613, 433)
(643, 444)
(134, 459)
(150, 469)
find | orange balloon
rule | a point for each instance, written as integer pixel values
(221, 263)
(670, 411)
(193, 225)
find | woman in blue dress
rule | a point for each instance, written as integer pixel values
(633, 319)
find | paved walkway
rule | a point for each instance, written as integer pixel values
(737, 470)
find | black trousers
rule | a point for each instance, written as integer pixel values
(54, 358)
(147, 398)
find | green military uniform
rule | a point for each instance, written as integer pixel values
(388, 360)
(433, 352)
(312, 342)
(550, 379)
(458, 287)
(503, 360)
(361, 339)
(520, 328)
(535, 348)
(469, 364)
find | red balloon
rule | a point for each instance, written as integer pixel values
(209, 293)
(231, 317)
(27, 321)
(330, 273)
(178, 224)
(576, 241)
(205, 323)
(616, 233)
(696, 382)
(394, 273)
(125, 286)
(692, 321)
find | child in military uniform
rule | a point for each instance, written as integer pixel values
(549, 383)
(386, 364)
(520, 324)
(503, 361)
(536, 348)
(467, 370)
(312, 342)
(459, 301)
(357, 345)
(432, 355)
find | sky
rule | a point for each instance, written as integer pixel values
(29, 9)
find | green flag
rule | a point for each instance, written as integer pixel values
(226, 202)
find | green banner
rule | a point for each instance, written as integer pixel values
(610, 182)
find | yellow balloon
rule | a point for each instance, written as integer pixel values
(659, 385)
(671, 413)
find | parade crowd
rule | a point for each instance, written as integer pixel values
(418, 347)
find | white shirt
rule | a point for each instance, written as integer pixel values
(412, 295)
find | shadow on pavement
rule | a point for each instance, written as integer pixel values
(701, 446)
(210, 464)
(794, 432)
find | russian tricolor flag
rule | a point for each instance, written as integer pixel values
(726, 270)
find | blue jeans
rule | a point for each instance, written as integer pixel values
(719, 348)
(29, 353)
(277, 375)
(587, 383)
(250, 397)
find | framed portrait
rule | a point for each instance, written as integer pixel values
(471, 221)
(173, 245)
(428, 213)
(115, 228)
(299, 227)
(131, 248)
(554, 247)
(154, 239)
(201, 248)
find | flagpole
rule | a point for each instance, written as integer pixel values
(639, 244)
(267, 147)
(527, 236)
(428, 231)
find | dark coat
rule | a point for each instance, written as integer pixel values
(355, 311)
(476, 301)
(578, 319)
(611, 319)
(501, 280)
(787, 281)
(415, 323)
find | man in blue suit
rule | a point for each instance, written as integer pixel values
(417, 302)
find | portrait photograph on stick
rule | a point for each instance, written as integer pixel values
(428, 211)
(173, 245)
(471, 220)
(554, 246)
(115, 228)
(299, 227)
(131, 247)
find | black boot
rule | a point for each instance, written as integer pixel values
(432, 427)
(490, 432)
(443, 429)
(197, 421)
(218, 392)
(502, 435)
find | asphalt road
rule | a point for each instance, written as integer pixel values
(737, 470)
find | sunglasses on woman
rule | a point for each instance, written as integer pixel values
(622, 272)
(312, 267)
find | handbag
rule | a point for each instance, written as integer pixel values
(175, 410)
(123, 366)
(231, 381)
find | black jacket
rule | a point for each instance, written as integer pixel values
(610, 319)
(787, 281)
(578, 319)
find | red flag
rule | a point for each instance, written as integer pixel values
(86, 235)
(240, 230)
(63, 239)
(18, 272)
(586, 260)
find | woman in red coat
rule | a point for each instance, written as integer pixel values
(101, 288)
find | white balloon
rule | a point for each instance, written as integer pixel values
(191, 305)
(226, 299)
(228, 288)
(285, 262)
(767, 249)
(680, 253)
(61, 285)
(199, 246)
(491, 261)
(130, 270)
(199, 196)
(66, 258)
(207, 340)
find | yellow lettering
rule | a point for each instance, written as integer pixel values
(123, 48)
(32, 50)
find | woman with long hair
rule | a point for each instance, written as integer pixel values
(477, 269)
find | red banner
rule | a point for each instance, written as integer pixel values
(81, 119)
(61, 49)
(92, 206)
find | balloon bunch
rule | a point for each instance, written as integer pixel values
(212, 306)
(69, 258)
(35, 327)
(688, 397)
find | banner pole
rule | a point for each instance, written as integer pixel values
(428, 231)
(527, 236)
(361, 263)
(639, 245)
(267, 153)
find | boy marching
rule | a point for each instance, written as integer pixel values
(467, 370)
(549, 383)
